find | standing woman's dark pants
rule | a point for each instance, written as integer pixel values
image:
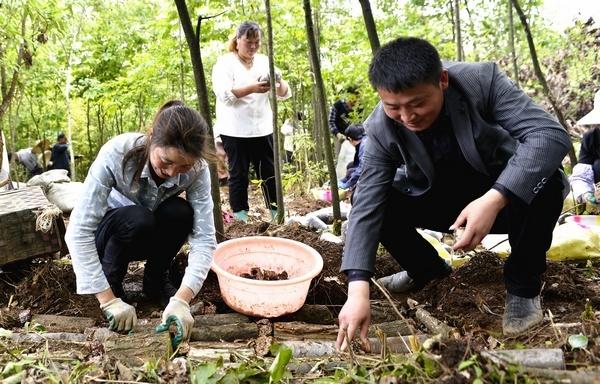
(241, 152)
(135, 233)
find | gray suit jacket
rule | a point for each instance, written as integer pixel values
(501, 133)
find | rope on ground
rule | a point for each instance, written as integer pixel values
(45, 217)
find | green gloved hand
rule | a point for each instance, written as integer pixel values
(590, 198)
(177, 312)
(121, 316)
(587, 203)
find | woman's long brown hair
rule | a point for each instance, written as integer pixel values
(174, 125)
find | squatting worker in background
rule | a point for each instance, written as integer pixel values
(586, 173)
(452, 145)
(130, 210)
(244, 116)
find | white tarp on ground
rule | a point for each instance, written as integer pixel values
(570, 242)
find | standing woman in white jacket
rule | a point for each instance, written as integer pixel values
(244, 116)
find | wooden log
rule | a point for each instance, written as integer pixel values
(318, 348)
(299, 330)
(312, 313)
(556, 375)
(220, 319)
(382, 312)
(56, 323)
(19, 239)
(46, 336)
(392, 328)
(204, 351)
(225, 332)
(136, 349)
(434, 325)
(534, 357)
(295, 330)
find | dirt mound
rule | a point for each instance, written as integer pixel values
(48, 286)
(472, 298)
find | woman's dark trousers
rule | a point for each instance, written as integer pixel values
(135, 233)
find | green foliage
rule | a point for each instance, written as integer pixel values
(127, 58)
(588, 311)
(150, 370)
(278, 371)
(578, 341)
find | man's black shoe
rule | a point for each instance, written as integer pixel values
(520, 314)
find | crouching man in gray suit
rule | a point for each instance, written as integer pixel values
(452, 145)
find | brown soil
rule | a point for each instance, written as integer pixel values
(265, 275)
(471, 299)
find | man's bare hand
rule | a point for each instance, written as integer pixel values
(478, 218)
(355, 315)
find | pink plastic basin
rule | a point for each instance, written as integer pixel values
(262, 298)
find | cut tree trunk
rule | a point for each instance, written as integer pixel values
(220, 319)
(225, 332)
(55, 323)
(136, 349)
(204, 351)
(312, 313)
(535, 358)
(317, 348)
(221, 332)
(47, 336)
(434, 325)
(298, 330)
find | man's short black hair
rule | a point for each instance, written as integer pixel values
(61, 135)
(404, 63)
(355, 131)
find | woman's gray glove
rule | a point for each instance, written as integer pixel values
(121, 316)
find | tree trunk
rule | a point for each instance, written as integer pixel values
(541, 78)
(88, 123)
(474, 51)
(193, 40)
(370, 25)
(276, 144)
(459, 48)
(511, 44)
(69, 116)
(322, 102)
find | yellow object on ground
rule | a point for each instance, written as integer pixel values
(455, 260)
(569, 203)
(573, 242)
